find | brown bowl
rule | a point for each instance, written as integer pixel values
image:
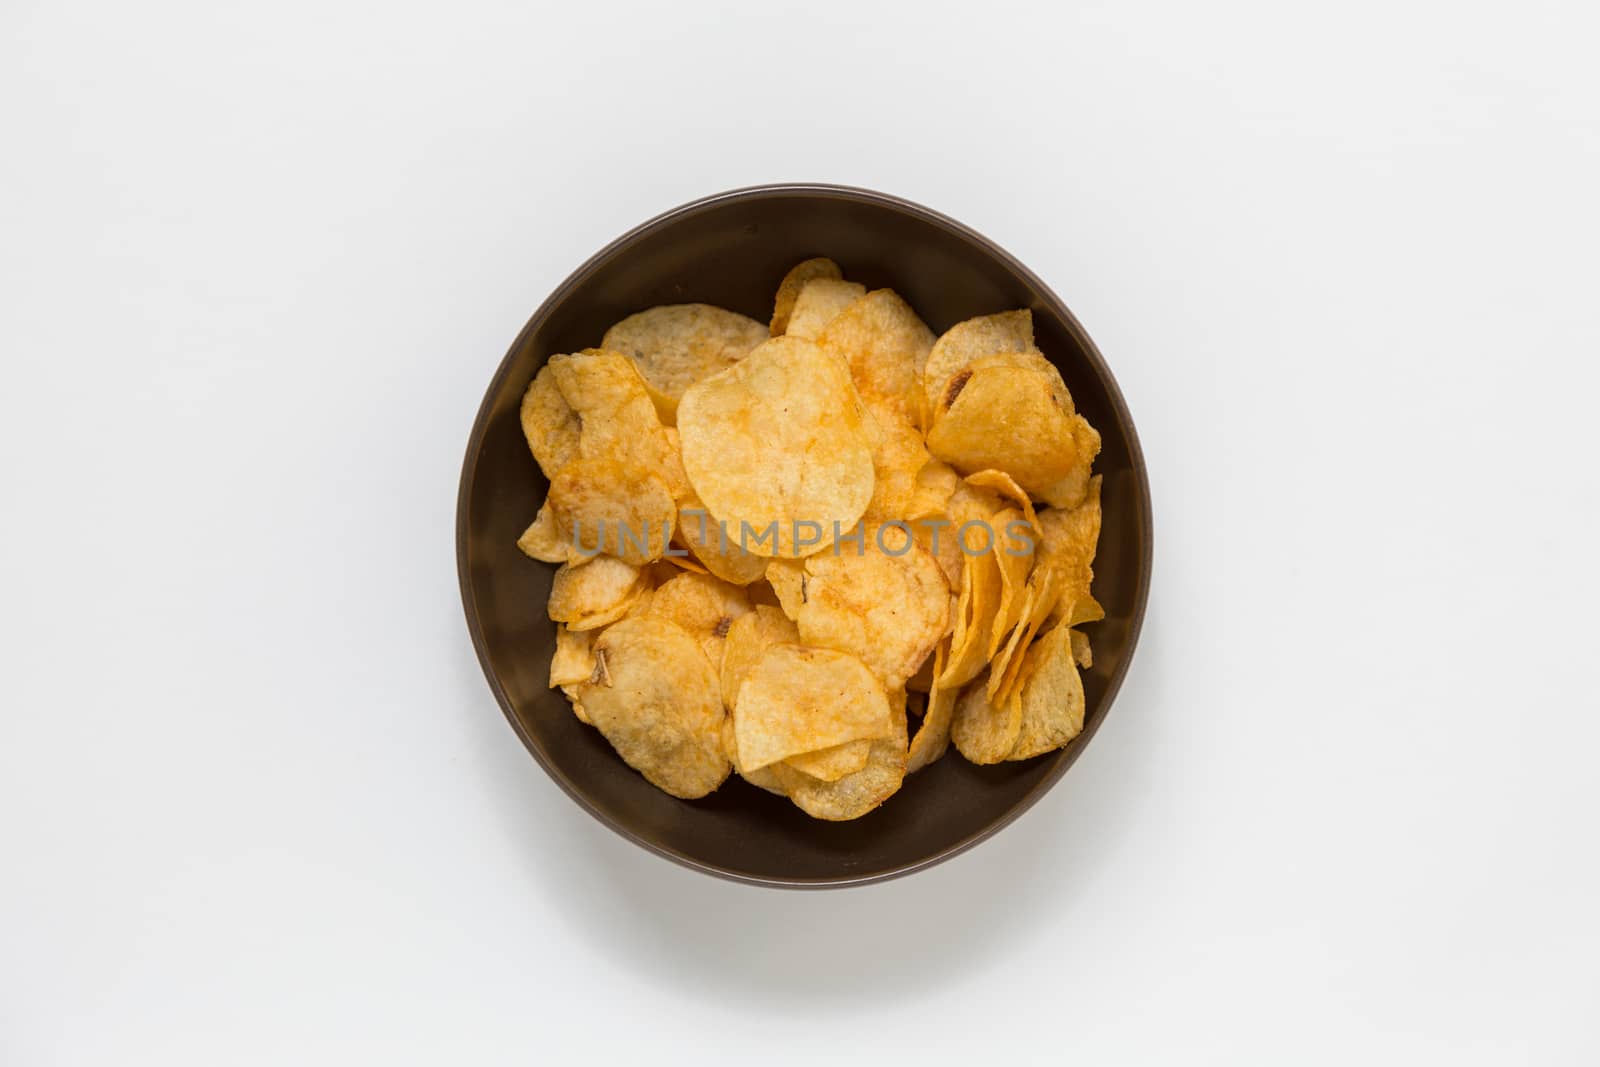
(731, 249)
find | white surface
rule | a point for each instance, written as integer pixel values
(257, 804)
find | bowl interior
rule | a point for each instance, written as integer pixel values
(732, 251)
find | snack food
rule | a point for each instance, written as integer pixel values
(818, 552)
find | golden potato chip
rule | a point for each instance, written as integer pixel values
(778, 447)
(1071, 490)
(933, 736)
(593, 593)
(793, 282)
(787, 577)
(887, 609)
(1009, 331)
(819, 302)
(898, 456)
(749, 637)
(1082, 655)
(542, 539)
(978, 606)
(715, 546)
(937, 536)
(763, 778)
(1014, 556)
(885, 345)
(1003, 671)
(922, 680)
(1002, 483)
(1050, 695)
(550, 425)
(1006, 418)
(679, 557)
(599, 505)
(573, 661)
(832, 764)
(985, 732)
(856, 794)
(676, 345)
(657, 703)
(798, 699)
(936, 480)
(1067, 546)
(704, 606)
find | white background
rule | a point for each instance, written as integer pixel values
(257, 265)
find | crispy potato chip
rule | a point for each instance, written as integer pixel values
(979, 604)
(885, 345)
(676, 345)
(787, 577)
(1006, 418)
(1002, 483)
(936, 480)
(1082, 655)
(933, 736)
(764, 778)
(984, 732)
(819, 302)
(1014, 556)
(798, 699)
(573, 661)
(593, 593)
(793, 282)
(898, 456)
(715, 546)
(618, 419)
(657, 703)
(679, 557)
(1009, 331)
(937, 536)
(550, 425)
(832, 764)
(856, 794)
(704, 606)
(1073, 489)
(888, 610)
(1067, 547)
(600, 505)
(1004, 670)
(779, 444)
(1050, 696)
(542, 539)
(748, 639)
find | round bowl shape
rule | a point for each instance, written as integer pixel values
(731, 250)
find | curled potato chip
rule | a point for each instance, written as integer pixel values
(798, 699)
(748, 639)
(819, 302)
(777, 446)
(704, 606)
(793, 282)
(984, 732)
(549, 423)
(657, 703)
(594, 593)
(1009, 331)
(676, 345)
(933, 735)
(884, 344)
(853, 795)
(1014, 556)
(1068, 539)
(1006, 418)
(715, 546)
(1002, 483)
(1050, 695)
(1081, 652)
(1037, 604)
(832, 764)
(887, 603)
(1073, 489)
(600, 505)
(936, 480)
(787, 577)
(573, 661)
(542, 539)
(762, 778)
(978, 605)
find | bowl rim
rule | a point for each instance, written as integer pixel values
(777, 190)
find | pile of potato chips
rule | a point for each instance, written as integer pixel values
(815, 552)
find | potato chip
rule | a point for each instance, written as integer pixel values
(933, 736)
(832, 764)
(1006, 418)
(1009, 331)
(819, 302)
(787, 578)
(550, 425)
(793, 282)
(749, 637)
(922, 680)
(764, 778)
(542, 539)
(1050, 695)
(898, 456)
(679, 557)
(1036, 610)
(936, 480)
(1014, 556)
(979, 604)
(704, 606)
(657, 703)
(777, 446)
(885, 345)
(575, 699)
(593, 593)
(573, 661)
(599, 505)
(886, 603)
(1082, 655)
(985, 732)
(1002, 483)
(1073, 489)
(798, 699)
(1067, 546)
(856, 794)
(937, 536)
(710, 541)
(676, 345)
